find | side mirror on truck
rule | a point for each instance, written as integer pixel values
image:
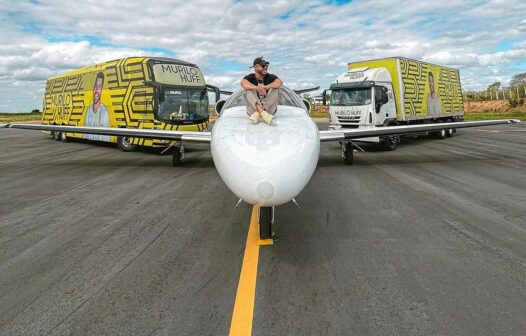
(385, 98)
(324, 101)
(214, 89)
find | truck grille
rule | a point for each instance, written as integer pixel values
(349, 119)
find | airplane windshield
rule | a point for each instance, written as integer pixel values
(351, 97)
(183, 106)
(287, 98)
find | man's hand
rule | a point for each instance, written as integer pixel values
(261, 90)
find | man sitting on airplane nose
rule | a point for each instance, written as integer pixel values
(262, 92)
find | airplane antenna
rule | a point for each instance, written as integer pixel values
(296, 203)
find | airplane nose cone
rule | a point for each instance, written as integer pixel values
(265, 190)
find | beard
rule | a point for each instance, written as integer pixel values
(262, 72)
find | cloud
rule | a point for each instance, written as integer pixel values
(306, 41)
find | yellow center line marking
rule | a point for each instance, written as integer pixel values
(246, 289)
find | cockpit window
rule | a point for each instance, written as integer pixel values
(287, 97)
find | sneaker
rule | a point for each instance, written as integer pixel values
(254, 118)
(267, 117)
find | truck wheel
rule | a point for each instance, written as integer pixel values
(63, 137)
(124, 144)
(438, 135)
(177, 156)
(391, 141)
(57, 135)
(449, 133)
(348, 155)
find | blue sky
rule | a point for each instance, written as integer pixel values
(307, 42)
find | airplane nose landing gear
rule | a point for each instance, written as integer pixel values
(266, 219)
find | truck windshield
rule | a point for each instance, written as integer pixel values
(351, 97)
(183, 106)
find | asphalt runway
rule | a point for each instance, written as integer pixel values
(427, 240)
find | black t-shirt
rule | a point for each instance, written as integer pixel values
(269, 78)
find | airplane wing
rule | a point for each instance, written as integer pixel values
(300, 91)
(355, 133)
(127, 132)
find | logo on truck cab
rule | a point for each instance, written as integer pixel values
(354, 75)
(177, 74)
(348, 113)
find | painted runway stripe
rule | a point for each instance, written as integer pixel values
(243, 313)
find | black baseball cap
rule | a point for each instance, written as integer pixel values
(260, 61)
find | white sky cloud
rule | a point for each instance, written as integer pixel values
(307, 42)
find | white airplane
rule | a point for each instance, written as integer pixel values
(264, 165)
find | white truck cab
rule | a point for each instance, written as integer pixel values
(362, 97)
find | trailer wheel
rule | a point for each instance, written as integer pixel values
(348, 154)
(124, 144)
(63, 137)
(391, 142)
(57, 135)
(449, 133)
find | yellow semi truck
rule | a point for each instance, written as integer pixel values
(135, 92)
(395, 91)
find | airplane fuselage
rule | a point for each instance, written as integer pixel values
(261, 164)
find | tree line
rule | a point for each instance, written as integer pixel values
(515, 93)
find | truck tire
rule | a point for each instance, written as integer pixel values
(449, 133)
(438, 135)
(390, 142)
(125, 145)
(349, 154)
(57, 135)
(63, 137)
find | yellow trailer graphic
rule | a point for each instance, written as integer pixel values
(137, 92)
(422, 90)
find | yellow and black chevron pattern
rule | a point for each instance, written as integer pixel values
(128, 100)
(416, 88)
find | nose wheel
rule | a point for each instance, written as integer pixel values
(266, 219)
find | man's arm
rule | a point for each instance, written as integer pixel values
(245, 84)
(274, 85)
